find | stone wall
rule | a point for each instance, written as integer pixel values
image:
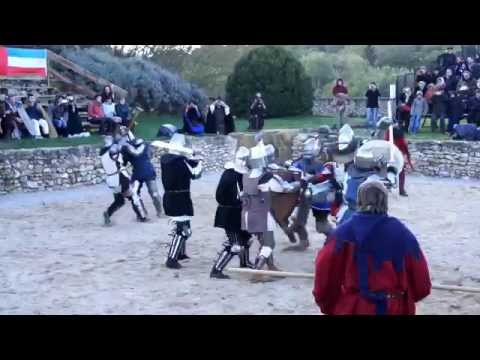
(323, 106)
(51, 169)
(455, 159)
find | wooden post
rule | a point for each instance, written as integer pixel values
(286, 274)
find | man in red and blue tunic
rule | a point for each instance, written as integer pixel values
(371, 264)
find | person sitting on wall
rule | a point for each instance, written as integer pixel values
(123, 111)
(34, 111)
(97, 116)
(59, 117)
(193, 122)
(74, 123)
(107, 93)
(219, 118)
(110, 112)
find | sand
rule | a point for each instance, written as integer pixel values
(57, 258)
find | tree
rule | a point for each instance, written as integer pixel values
(370, 54)
(319, 66)
(278, 75)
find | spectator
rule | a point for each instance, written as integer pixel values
(404, 108)
(450, 81)
(219, 118)
(474, 109)
(446, 60)
(340, 92)
(401, 143)
(473, 67)
(14, 128)
(34, 111)
(7, 117)
(467, 84)
(257, 113)
(428, 96)
(421, 86)
(123, 111)
(439, 106)
(74, 123)
(419, 110)
(96, 115)
(193, 122)
(372, 96)
(460, 67)
(430, 77)
(468, 132)
(111, 114)
(59, 117)
(107, 93)
(422, 75)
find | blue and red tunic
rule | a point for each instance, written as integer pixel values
(371, 264)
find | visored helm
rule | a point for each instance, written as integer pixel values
(269, 154)
(311, 149)
(258, 155)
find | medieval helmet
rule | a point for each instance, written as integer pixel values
(258, 155)
(373, 197)
(239, 164)
(269, 154)
(310, 149)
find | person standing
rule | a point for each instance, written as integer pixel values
(474, 109)
(401, 143)
(372, 96)
(372, 264)
(118, 181)
(177, 173)
(446, 60)
(340, 93)
(229, 215)
(219, 118)
(439, 106)
(404, 108)
(419, 110)
(257, 113)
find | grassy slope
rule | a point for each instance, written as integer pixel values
(149, 124)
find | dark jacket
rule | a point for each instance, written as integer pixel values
(211, 124)
(74, 123)
(122, 111)
(193, 122)
(337, 89)
(439, 103)
(34, 112)
(372, 98)
(229, 211)
(451, 84)
(446, 60)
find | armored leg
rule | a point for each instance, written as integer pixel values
(231, 248)
(118, 202)
(179, 234)
(155, 195)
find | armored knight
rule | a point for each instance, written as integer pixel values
(118, 180)
(229, 213)
(178, 171)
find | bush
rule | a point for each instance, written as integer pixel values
(278, 75)
(147, 83)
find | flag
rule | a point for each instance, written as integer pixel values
(16, 62)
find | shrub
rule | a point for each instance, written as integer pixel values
(147, 83)
(278, 75)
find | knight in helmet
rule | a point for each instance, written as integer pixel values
(258, 184)
(179, 167)
(229, 215)
(118, 180)
(314, 172)
(375, 160)
(139, 154)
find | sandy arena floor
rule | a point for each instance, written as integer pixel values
(57, 258)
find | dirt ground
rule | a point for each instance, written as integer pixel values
(56, 257)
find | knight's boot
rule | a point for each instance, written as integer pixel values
(303, 243)
(223, 259)
(245, 258)
(183, 252)
(175, 247)
(106, 219)
(290, 234)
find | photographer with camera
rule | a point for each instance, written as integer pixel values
(193, 123)
(257, 113)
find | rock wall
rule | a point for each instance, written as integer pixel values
(455, 159)
(323, 106)
(51, 169)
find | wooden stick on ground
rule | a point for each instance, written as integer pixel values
(287, 274)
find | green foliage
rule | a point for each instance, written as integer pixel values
(370, 53)
(278, 75)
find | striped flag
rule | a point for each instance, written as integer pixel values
(16, 62)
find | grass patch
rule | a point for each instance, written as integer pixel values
(149, 124)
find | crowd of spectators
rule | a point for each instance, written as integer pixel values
(448, 92)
